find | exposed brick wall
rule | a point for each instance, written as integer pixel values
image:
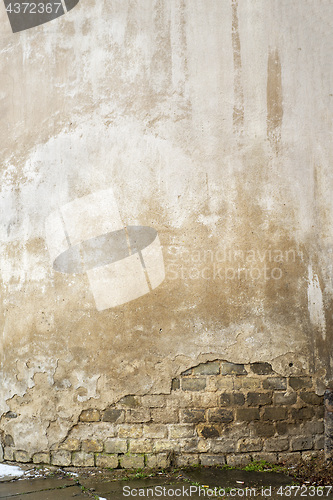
(217, 412)
(329, 424)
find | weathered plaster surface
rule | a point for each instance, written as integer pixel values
(212, 123)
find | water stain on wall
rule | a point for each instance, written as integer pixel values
(274, 100)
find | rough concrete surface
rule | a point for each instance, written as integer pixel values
(211, 122)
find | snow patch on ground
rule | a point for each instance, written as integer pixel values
(10, 471)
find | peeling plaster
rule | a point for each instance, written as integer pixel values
(315, 303)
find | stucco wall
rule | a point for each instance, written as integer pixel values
(211, 121)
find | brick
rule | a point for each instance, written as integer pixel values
(184, 460)
(274, 413)
(155, 431)
(158, 461)
(113, 415)
(313, 427)
(132, 462)
(193, 384)
(192, 416)
(22, 456)
(161, 445)
(237, 460)
(301, 443)
(292, 458)
(70, 444)
(181, 399)
(90, 416)
(132, 431)
(283, 428)
(251, 383)
(92, 445)
(275, 383)
(259, 398)
(238, 399)
(154, 400)
(164, 415)
(186, 372)
(220, 415)
(106, 461)
(8, 440)
(261, 368)
(263, 429)
(237, 430)
(175, 384)
(319, 443)
(246, 445)
(138, 416)
(204, 400)
(283, 398)
(129, 401)
(8, 453)
(267, 457)
(96, 430)
(209, 430)
(62, 458)
(82, 459)
(194, 445)
(116, 446)
(211, 383)
(319, 411)
(224, 383)
(229, 399)
(276, 444)
(300, 414)
(222, 445)
(232, 369)
(181, 431)
(41, 458)
(225, 399)
(140, 446)
(300, 382)
(247, 414)
(311, 398)
(212, 460)
(210, 368)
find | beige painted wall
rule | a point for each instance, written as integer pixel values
(212, 123)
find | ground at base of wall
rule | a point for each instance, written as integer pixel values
(316, 471)
(96, 483)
